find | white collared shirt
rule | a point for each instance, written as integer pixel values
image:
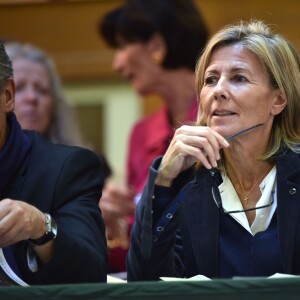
(231, 202)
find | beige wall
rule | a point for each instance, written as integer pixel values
(121, 108)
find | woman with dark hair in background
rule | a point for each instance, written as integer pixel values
(157, 45)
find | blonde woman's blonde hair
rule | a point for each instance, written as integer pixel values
(281, 61)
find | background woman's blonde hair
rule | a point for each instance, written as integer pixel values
(63, 128)
(281, 61)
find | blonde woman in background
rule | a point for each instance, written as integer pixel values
(40, 102)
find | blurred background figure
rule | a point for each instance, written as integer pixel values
(40, 103)
(157, 45)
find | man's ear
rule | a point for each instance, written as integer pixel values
(9, 95)
(157, 48)
(279, 103)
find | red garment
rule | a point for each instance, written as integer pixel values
(149, 139)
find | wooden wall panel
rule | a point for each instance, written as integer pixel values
(282, 15)
(68, 29)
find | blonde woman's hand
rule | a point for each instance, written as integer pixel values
(190, 144)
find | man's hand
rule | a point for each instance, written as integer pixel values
(19, 221)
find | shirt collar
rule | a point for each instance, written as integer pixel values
(231, 201)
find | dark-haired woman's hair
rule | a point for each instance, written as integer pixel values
(179, 22)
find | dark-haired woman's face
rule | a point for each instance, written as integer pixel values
(133, 62)
(33, 100)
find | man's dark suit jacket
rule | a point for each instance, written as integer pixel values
(65, 182)
(193, 249)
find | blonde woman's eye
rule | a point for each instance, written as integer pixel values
(240, 78)
(210, 80)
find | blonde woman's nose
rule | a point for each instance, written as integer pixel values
(221, 89)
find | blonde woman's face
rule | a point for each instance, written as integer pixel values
(33, 99)
(237, 93)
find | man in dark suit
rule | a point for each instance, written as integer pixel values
(51, 230)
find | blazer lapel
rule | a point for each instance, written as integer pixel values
(202, 216)
(288, 207)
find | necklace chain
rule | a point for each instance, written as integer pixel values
(246, 197)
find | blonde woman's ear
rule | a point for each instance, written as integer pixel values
(279, 103)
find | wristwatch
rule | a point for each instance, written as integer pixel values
(50, 234)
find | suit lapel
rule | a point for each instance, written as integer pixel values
(288, 207)
(14, 191)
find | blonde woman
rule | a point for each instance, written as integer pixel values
(224, 201)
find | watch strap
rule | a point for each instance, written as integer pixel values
(50, 234)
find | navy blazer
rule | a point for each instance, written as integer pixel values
(65, 182)
(189, 243)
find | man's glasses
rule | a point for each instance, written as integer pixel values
(218, 199)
